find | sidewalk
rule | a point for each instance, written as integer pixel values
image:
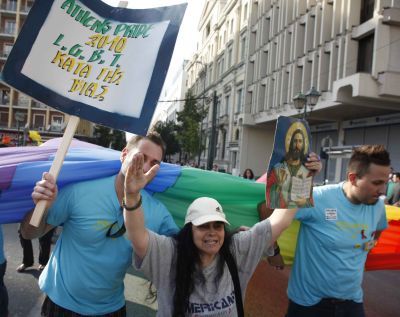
(136, 290)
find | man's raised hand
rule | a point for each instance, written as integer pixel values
(135, 178)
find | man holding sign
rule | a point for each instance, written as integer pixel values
(106, 65)
(335, 238)
(85, 273)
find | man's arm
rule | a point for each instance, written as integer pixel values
(135, 180)
(45, 189)
(30, 232)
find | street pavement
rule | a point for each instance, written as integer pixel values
(26, 297)
(266, 293)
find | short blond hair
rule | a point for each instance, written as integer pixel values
(152, 136)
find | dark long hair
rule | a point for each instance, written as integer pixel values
(245, 173)
(187, 258)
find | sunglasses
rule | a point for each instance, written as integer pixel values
(114, 231)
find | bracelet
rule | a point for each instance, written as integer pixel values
(139, 203)
(277, 250)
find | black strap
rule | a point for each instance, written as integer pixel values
(236, 284)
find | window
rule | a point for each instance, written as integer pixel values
(3, 118)
(11, 5)
(237, 135)
(216, 143)
(38, 120)
(230, 56)
(4, 97)
(239, 103)
(209, 77)
(245, 12)
(242, 48)
(367, 10)
(218, 112)
(9, 27)
(365, 54)
(234, 155)
(223, 144)
(208, 29)
(57, 119)
(7, 49)
(227, 104)
(56, 122)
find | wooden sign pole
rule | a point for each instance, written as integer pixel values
(55, 168)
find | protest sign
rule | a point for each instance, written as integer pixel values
(97, 62)
(94, 61)
(289, 182)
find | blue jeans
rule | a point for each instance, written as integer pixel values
(3, 292)
(327, 307)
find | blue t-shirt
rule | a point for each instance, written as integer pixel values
(2, 257)
(332, 246)
(86, 270)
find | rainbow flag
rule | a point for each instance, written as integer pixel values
(175, 186)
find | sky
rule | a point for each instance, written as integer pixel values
(186, 42)
(187, 37)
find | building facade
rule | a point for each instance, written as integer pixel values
(172, 98)
(217, 72)
(349, 50)
(18, 112)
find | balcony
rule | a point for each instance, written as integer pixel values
(4, 100)
(4, 55)
(38, 105)
(223, 120)
(25, 10)
(7, 32)
(233, 144)
(9, 6)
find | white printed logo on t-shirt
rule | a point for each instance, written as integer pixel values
(330, 214)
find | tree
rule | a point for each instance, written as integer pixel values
(110, 138)
(168, 132)
(189, 121)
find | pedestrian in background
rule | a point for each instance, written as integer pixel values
(393, 198)
(44, 251)
(3, 289)
(248, 174)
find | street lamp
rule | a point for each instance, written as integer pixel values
(301, 101)
(204, 97)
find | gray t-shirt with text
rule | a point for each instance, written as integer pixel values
(208, 298)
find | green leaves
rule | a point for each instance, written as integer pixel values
(189, 121)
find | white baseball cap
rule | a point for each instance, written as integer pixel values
(203, 210)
